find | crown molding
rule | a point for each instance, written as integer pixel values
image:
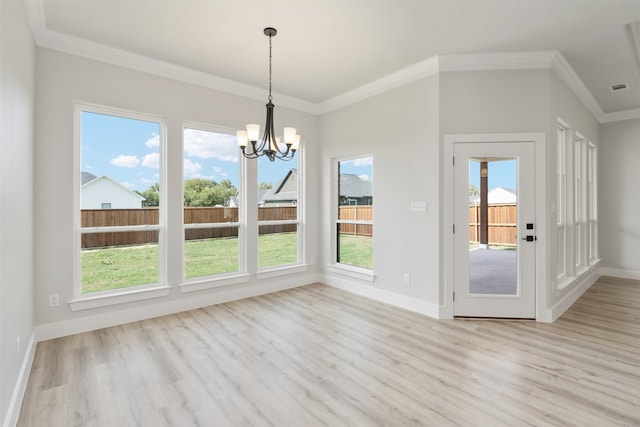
(619, 116)
(403, 77)
(103, 53)
(497, 61)
(431, 66)
(569, 76)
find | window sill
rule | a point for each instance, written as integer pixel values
(281, 271)
(355, 272)
(210, 283)
(122, 296)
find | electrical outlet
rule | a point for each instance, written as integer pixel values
(18, 347)
(54, 300)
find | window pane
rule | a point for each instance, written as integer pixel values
(120, 159)
(211, 175)
(118, 260)
(355, 212)
(120, 163)
(277, 201)
(277, 245)
(209, 251)
(355, 245)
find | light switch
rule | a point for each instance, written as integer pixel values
(418, 206)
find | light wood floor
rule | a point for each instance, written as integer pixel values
(319, 356)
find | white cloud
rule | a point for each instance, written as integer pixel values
(128, 185)
(206, 145)
(148, 181)
(151, 160)
(89, 167)
(154, 141)
(191, 168)
(363, 161)
(125, 161)
(364, 177)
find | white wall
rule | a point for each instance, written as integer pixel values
(400, 130)
(619, 202)
(16, 204)
(62, 79)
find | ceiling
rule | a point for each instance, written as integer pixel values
(325, 49)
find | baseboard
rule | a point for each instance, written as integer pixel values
(369, 291)
(191, 302)
(574, 291)
(13, 411)
(617, 272)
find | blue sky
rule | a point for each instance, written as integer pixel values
(363, 167)
(501, 174)
(127, 151)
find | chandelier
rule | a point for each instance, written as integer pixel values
(270, 146)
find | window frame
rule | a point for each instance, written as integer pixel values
(335, 266)
(279, 269)
(561, 192)
(221, 279)
(84, 301)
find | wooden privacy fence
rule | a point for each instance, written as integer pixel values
(502, 224)
(356, 213)
(192, 215)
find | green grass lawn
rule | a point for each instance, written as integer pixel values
(121, 267)
(356, 250)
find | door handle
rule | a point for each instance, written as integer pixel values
(530, 238)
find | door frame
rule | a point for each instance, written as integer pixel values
(541, 212)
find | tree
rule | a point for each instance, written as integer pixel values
(204, 192)
(473, 190)
(151, 195)
(265, 185)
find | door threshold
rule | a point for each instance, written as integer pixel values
(510, 319)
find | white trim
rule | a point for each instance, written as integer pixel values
(189, 302)
(621, 273)
(13, 411)
(351, 271)
(562, 68)
(408, 303)
(579, 286)
(430, 66)
(118, 296)
(423, 69)
(281, 270)
(209, 282)
(619, 116)
(497, 61)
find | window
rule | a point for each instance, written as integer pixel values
(211, 203)
(354, 224)
(120, 158)
(592, 206)
(278, 213)
(578, 194)
(560, 197)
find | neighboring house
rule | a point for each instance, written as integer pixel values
(497, 196)
(355, 190)
(105, 193)
(284, 193)
(232, 201)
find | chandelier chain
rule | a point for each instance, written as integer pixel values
(270, 98)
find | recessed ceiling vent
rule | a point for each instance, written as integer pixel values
(618, 87)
